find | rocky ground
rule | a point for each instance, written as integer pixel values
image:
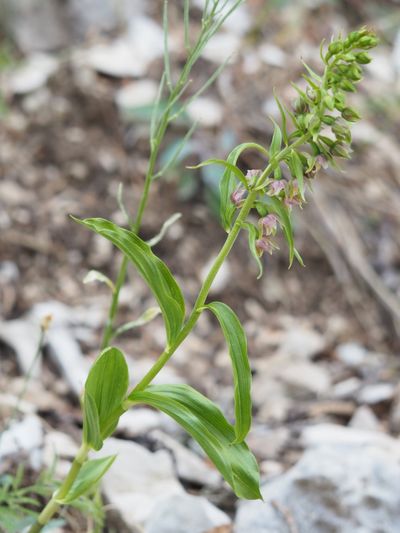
(323, 340)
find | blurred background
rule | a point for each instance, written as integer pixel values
(78, 79)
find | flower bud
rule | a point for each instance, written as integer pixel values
(253, 174)
(329, 102)
(354, 73)
(367, 42)
(264, 245)
(342, 132)
(328, 119)
(348, 57)
(238, 196)
(350, 114)
(353, 37)
(300, 105)
(347, 86)
(363, 58)
(340, 151)
(335, 47)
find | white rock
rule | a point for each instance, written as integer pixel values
(305, 380)
(140, 421)
(382, 66)
(335, 435)
(376, 393)
(221, 279)
(206, 111)
(351, 353)
(137, 480)
(364, 418)
(302, 342)
(335, 488)
(184, 513)
(272, 55)
(58, 452)
(67, 355)
(129, 55)
(26, 437)
(33, 74)
(189, 466)
(136, 94)
(347, 388)
(396, 54)
(267, 443)
(23, 337)
(221, 47)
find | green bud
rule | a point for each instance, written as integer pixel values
(329, 102)
(328, 119)
(343, 68)
(335, 47)
(347, 86)
(300, 105)
(350, 114)
(340, 102)
(363, 58)
(348, 57)
(326, 140)
(354, 73)
(353, 37)
(368, 42)
(340, 151)
(342, 132)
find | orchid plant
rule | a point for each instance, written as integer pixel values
(312, 134)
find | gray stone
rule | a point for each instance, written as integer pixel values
(351, 488)
(137, 481)
(351, 353)
(184, 513)
(23, 337)
(302, 342)
(305, 380)
(267, 443)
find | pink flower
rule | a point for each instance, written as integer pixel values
(268, 224)
(253, 174)
(276, 187)
(238, 196)
(265, 244)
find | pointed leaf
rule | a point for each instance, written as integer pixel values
(91, 423)
(283, 118)
(90, 474)
(253, 235)
(276, 142)
(204, 421)
(107, 384)
(228, 166)
(150, 267)
(237, 344)
(167, 224)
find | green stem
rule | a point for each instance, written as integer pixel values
(201, 299)
(54, 504)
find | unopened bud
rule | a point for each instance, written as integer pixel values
(328, 119)
(238, 196)
(275, 187)
(355, 73)
(350, 114)
(253, 174)
(300, 105)
(342, 132)
(368, 42)
(363, 58)
(340, 151)
(347, 86)
(335, 47)
(329, 102)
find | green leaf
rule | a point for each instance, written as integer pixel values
(204, 421)
(296, 169)
(276, 142)
(228, 166)
(107, 384)
(253, 236)
(237, 344)
(165, 227)
(228, 182)
(90, 474)
(283, 118)
(277, 207)
(150, 267)
(91, 423)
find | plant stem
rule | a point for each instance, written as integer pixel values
(54, 504)
(201, 299)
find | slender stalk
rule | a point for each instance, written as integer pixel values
(53, 505)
